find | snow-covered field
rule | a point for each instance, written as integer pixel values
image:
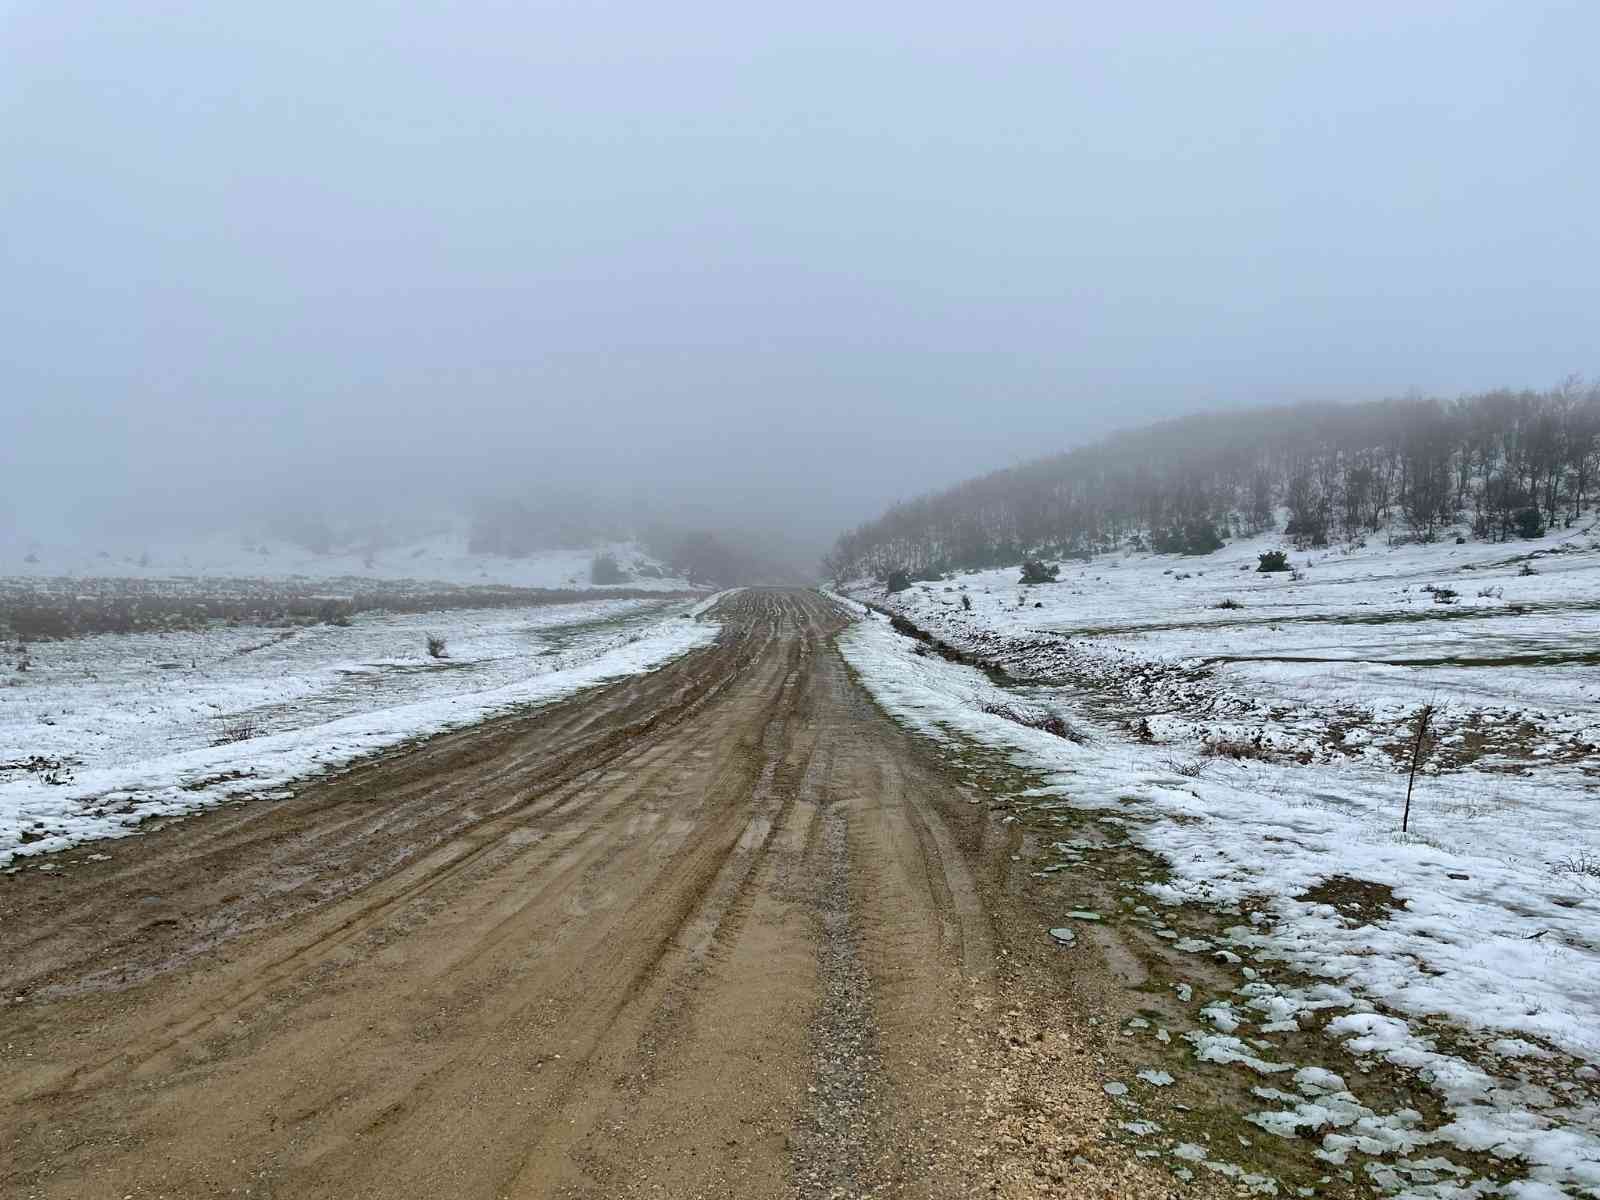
(440, 558)
(1324, 665)
(1261, 752)
(104, 732)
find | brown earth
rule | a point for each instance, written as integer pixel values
(720, 930)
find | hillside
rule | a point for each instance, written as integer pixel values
(1210, 766)
(445, 556)
(1492, 467)
(1293, 713)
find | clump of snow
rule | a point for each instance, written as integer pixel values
(1220, 1014)
(1221, 1048)
(1314, 1081)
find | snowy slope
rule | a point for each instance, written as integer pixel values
(1260, 751)
(1488, 941)
(1352, 646)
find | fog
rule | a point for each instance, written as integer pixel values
(764, 267)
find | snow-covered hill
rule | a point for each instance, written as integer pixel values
(437, 558)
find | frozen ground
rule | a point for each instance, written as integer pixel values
(104, 732)
(1259, 752)
(1324, 665)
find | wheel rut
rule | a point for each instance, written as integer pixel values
(717, 930)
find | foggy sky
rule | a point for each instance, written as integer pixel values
(790, 262)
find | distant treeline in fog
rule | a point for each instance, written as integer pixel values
(517, 527)
(1495, 466)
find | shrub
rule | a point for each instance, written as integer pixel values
(1527, 569)
(966, 603)
(604, 570)
(1441, 595)
(898, 581)
(1529, 523)
(334, 612)
(1035, 571)
(436, 647)
(1273, 560)
(1189, 770)
(1200, 537)
(1229, 602)
(1310, 531)
(240, 730)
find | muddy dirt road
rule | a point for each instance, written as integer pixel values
(721, 930)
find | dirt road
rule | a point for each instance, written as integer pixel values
(721, 930)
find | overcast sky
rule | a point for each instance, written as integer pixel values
(792, 260)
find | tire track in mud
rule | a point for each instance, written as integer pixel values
(660, 1003)
(717, 930)
(472, 843)
(342, 826)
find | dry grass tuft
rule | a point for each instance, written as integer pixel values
(241, 729)
(1048, 721)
